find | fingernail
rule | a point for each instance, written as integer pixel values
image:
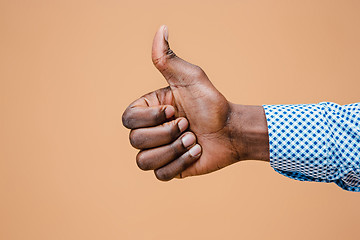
(183, 124)
(169, 112)
(166, 34)
(195, 150)
(188, 140)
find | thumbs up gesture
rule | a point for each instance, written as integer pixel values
(189, 128)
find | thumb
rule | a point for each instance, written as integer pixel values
(174, 69)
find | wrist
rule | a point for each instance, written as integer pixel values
(249, 135)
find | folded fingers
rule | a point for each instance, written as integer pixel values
(178, 165)
(170, 160)
(145, 138)
(165, 146)
(155, 158)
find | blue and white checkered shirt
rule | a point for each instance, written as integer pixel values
(316, 142)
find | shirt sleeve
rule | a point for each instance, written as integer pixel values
(316, 142)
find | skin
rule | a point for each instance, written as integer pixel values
(189, 128)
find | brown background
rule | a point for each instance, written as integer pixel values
(68, 69)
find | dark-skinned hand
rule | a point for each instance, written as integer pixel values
(186, 128)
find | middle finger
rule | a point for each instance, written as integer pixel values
(144, 138)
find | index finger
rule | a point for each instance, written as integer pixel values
(140, 115)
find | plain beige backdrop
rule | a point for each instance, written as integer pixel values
(68, 69)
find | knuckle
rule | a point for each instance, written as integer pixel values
(135, 138)
(198, 72)
(162, 175)
(160, 62)
(142, 162)
(126, 119)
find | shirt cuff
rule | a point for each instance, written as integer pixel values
(298, 141)
(306, 142)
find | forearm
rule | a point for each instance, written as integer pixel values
(250, 132)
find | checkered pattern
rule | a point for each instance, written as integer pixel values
(316, 142)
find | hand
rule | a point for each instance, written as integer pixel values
(189, 128)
